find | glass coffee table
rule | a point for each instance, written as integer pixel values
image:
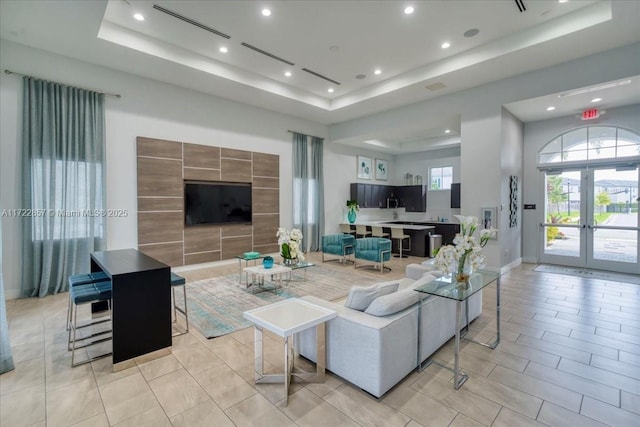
(447, 287)
(246, 258)
(297, 266)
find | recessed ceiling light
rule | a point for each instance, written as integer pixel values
(266, 12)
(551, 108)
(377, 71)
(408, 10)
(361, 76)
(287, 73)
(224, 49)
(447, 131)
(138, 16)
(445, 45)
(596, 100)
(563, 1)
(330, 90)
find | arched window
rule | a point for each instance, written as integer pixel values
(589, 144)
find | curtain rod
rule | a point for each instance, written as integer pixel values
(295, 131)
(114, 95)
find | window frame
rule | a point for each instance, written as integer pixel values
(441, 177)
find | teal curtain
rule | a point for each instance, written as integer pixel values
(6, 360)
(63, 183)
(300, 184)
(316, 202)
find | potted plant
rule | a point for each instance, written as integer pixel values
(352, 207)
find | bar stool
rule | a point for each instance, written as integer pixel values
(346, 229)
(88, 293)
(177, 281)
(398, 234)
(361, 230)
(378, 232)
(83, 279)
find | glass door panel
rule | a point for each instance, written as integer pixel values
(563, 227)
(612, 229)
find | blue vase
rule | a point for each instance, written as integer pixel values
(351, 216)
(267, 262)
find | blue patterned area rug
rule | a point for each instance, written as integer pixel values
(216, 305)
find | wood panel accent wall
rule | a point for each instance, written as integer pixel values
(163, 166)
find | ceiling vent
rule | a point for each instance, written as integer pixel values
(191, 21)
(521, 6)
(320, 75)
(436, 86)
(270, 55)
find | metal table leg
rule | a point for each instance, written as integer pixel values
(459, 377)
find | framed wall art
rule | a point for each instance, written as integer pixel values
(382, 170)
(488, 218)
(513, 201)
(364, 167)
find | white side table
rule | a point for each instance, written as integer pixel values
(285, 318)
(258, 271)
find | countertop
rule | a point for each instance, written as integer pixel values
(390, 224)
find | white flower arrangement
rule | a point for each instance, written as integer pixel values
(289, 242)
(465, 251)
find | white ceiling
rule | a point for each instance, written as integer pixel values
(340, 40)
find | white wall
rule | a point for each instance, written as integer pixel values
(511, 161)
(536, 136)
(147, 108)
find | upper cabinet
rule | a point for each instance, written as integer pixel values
(411, 197)
(455, 195)
(414, 198)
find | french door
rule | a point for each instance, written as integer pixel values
(591, 218)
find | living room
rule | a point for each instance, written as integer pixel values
(489, 144)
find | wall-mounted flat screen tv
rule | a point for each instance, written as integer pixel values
(217, 203)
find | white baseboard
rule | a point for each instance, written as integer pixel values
(511, 266)
(530, 260)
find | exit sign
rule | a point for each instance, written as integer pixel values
(590, 114)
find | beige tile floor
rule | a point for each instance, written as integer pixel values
(569, 356)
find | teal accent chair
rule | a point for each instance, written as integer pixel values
(337, 244)
(374, 249)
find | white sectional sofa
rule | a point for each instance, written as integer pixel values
(375, 353)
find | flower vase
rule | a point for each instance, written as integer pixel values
(351, 216)
(463, 272)
(290, 261)
(267, 262)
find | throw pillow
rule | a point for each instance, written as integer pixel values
(393, 303)
(360, 297)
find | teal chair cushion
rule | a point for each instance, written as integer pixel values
(373, 249)
(337, 244)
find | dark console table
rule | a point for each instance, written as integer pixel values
(141, 308)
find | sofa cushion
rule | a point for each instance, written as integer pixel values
(398, 301)
(360, 297)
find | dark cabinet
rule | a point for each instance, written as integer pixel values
(373, 196)
(455, 195)
(414, 198)
(411, 197)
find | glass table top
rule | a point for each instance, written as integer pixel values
(246, 257)
(447, 287)
(301, 264)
